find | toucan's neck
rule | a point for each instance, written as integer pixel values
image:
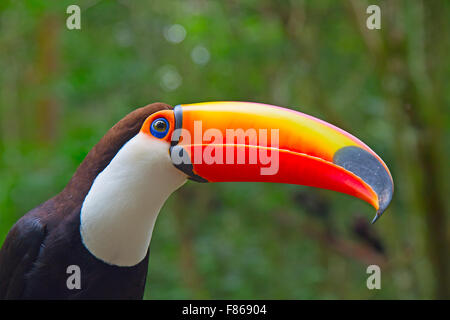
(120, 209)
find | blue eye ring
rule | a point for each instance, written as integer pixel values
(159, 127)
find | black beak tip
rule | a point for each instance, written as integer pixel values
(377, 216)
(384, 200)
(366, 166)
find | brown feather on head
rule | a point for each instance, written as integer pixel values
(104, 151)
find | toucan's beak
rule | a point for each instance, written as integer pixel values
(243, 141)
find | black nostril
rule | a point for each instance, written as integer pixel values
(180, 158)
(178, 116)
(366, 166)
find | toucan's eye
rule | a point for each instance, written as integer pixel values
(159, 127)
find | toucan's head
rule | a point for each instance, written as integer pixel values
(243, 141)
(151, 152)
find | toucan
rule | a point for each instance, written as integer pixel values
(101, 223)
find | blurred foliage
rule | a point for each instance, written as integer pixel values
(61, 90)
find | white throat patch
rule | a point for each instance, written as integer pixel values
(120, 210)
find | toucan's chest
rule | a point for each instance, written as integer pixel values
(65, 269)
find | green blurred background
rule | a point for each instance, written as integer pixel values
(61, 90)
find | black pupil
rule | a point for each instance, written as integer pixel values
(159, 125)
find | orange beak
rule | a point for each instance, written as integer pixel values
(243, 141)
